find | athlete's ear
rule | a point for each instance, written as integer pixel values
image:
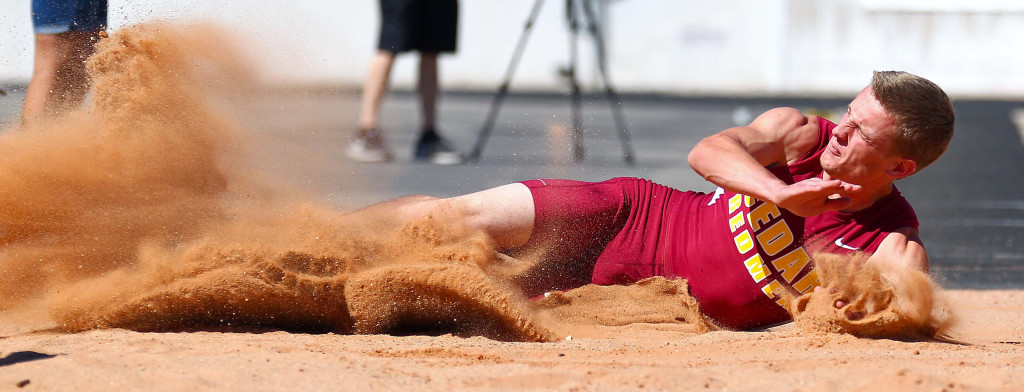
(902, 167)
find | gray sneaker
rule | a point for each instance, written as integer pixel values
(435, 149)
(368, 145)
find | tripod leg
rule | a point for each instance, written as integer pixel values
(577, 119)
(613, 98)
(499, 97)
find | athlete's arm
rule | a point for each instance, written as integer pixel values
(901, 249)
(736, 159)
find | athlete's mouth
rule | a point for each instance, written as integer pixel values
(832, 148)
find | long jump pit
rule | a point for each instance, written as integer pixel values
(139, 254)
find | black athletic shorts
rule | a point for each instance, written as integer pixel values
(421, 25)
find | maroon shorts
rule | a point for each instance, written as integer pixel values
(598, 232)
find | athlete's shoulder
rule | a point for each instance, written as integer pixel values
(783, 116)
(797, 132)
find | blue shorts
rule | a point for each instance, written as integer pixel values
(60, 16)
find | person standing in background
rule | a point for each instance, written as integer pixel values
(65, 32)
(426, 26)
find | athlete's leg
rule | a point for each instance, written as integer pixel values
(556, 228)
(505, 213)
(573, 224)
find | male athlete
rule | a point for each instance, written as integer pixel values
(790, 185)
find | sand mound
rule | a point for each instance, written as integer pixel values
(338, 288)
(654, 300)
(881, 303)
(443, 299)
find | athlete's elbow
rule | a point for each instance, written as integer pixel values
(692, 159)
(699, 155)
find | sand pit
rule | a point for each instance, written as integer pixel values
(629, 357)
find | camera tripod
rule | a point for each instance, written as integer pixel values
(572, 19)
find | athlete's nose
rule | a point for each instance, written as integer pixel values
(841, 132)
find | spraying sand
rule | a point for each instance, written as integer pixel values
(80, 196)
(134, 214)
(879, 303)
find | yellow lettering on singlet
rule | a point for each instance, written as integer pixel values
(775, 238)
(736, 222)
(791, 264)
(807, 282)
(762, 215)
(748, 200)
(756, 268)
(734, 202)
(743, 242)
(774, 290)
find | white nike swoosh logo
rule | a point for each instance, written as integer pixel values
(839, 243)
(718, 193)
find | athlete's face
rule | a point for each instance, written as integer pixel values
(860, 151)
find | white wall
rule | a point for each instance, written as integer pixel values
(971, 47)
(965, 46)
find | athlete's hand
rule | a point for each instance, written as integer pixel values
(815, 196)
(839, 304)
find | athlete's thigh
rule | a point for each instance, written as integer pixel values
(506, 213)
